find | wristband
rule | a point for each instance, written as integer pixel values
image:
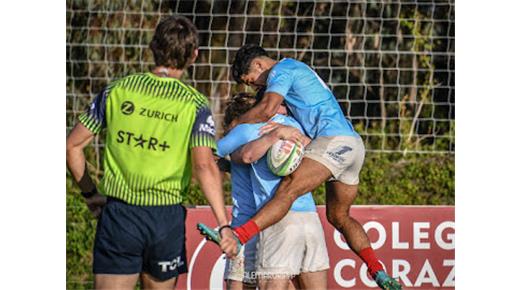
(90, 193)
(223, 227)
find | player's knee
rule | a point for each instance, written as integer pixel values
(338, 216)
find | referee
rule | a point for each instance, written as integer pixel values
(157, 130)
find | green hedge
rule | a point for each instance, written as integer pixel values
(427, 179)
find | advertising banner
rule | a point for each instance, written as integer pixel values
(416, 244)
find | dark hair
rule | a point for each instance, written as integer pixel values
(237, 106)
(243, 60)
(174, 41)
(260, 94)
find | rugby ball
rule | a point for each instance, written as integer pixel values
(284, 157)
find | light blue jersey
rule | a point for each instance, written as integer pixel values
(309, 99)
(264, 182)
(244, 205)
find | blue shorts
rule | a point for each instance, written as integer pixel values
(133, 239)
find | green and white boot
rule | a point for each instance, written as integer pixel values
(213, 235)
(386, 282)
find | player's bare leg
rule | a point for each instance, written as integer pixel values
(313, 280)
(237, 285)
(150, 283)
(295, 282)
(340, 197)
(309, 175)
(292, 285)
(115, 282)
(275, 284)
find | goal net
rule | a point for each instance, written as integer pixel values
(390, 64)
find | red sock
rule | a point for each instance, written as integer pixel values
(369, 257)
(246, 231)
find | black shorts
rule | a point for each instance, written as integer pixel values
(133, 239)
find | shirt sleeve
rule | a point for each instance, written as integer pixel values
(288, 121)
(279, 81)
(203, 130)
(94, 117)
(240, 135)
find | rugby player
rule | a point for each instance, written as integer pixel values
(157, 130)
(240, 273)
(288, 254)
(335, 155)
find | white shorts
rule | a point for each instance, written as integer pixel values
(294, 245)
(342, 155)
(243, 267)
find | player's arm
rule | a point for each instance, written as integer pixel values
(91, 123)
(261, 112)
(238, 136)
(254, 150)
(205, 170)
(77, 140)
(278, 84)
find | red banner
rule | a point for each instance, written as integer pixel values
(415, 244)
